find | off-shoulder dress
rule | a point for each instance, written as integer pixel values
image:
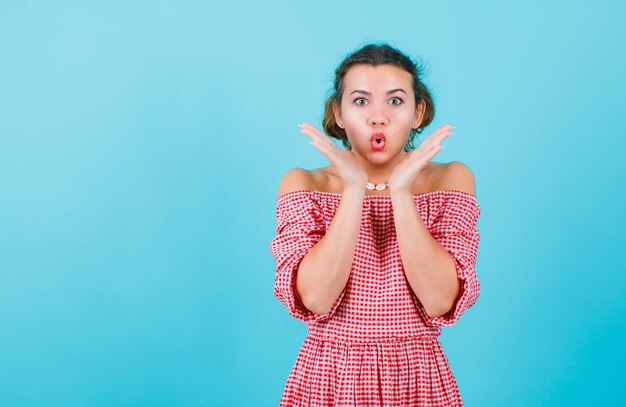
(376, 346)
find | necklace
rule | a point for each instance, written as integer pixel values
(379, 187)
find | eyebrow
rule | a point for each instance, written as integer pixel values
(388, 92)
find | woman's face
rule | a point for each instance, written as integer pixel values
(378, 100)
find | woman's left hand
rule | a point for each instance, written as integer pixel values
(404, 174)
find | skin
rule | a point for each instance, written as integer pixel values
(429, 268)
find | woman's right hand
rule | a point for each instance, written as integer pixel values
(352, 174)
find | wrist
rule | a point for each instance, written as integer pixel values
(401, 192)
(354, 190)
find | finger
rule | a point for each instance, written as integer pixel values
(332, 152)
(440, 132)
(321, 139)
(320, 142)
(437, 144)
(429, 150)
(424, 155)
(441, 137)
(416, 155)
(314, 137)
(309, 131)
(332, 156)
(436, 139)
(317, 133)
(322, 149)
(435, 151)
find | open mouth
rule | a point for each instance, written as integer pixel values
(377, 142)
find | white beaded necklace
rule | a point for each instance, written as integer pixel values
(379, 187)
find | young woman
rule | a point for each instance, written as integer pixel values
(376, 251)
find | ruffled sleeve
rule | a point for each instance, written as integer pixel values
(455, 230)
(299, 226)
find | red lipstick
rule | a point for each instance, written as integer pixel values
(377, 141)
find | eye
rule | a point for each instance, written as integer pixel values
(356, 101)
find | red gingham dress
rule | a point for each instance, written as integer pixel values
(376, 346)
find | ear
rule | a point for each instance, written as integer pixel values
(420, 111)
(337, 112)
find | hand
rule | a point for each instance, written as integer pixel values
(351, 172)
(404, 174)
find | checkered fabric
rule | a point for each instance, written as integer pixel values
(376, 346)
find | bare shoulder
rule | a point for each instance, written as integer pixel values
(458, 176)
(295, 179)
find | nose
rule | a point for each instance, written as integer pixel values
(378, 117)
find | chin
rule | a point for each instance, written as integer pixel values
(385, 152)
(380, 157)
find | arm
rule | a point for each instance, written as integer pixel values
(325, 269)
(430, 269)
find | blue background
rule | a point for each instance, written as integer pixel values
(141, 148)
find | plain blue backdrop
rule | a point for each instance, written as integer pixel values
(141, 146)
